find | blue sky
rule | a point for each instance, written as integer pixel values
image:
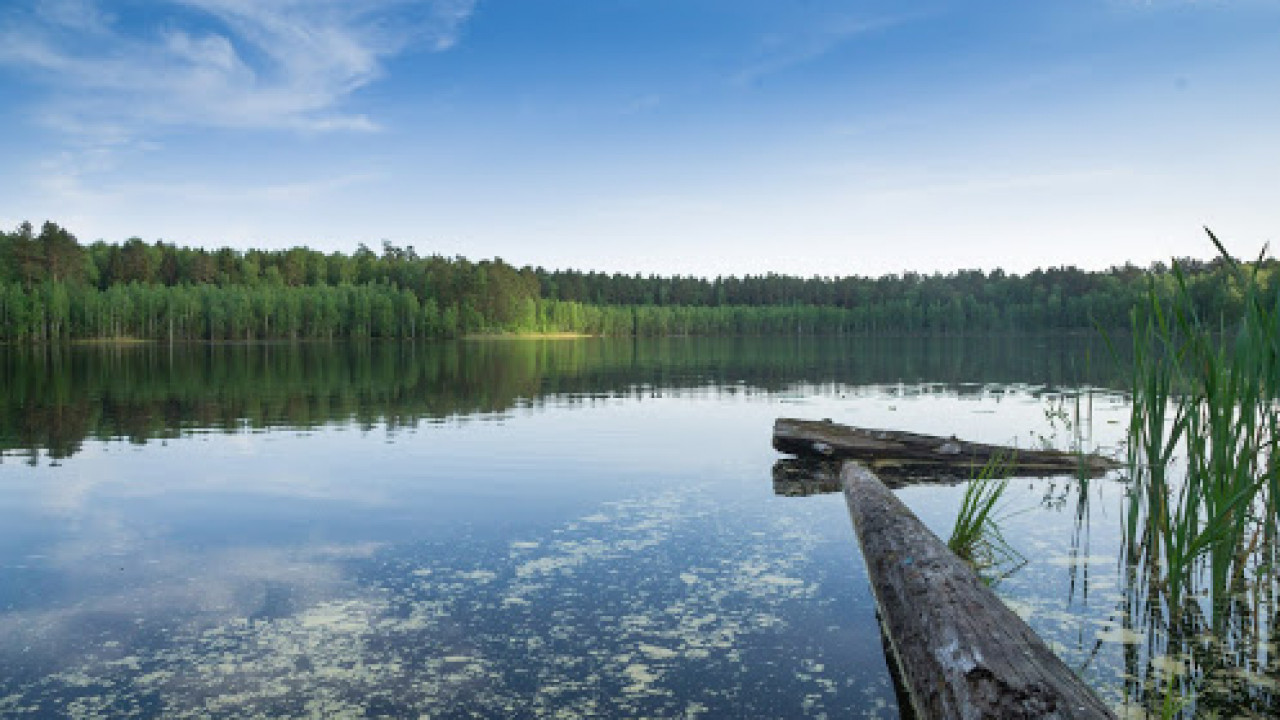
(669, 136)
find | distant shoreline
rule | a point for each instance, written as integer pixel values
(130, 340)
(527, 336)
(501, 335)
(123, 340)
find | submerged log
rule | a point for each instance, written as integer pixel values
(804, 476)
(903, 452)
(960, 652)
(801, 477)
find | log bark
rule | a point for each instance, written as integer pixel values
(905, 452)
(960, 651)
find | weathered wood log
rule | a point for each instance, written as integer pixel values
(961, 652)
(906, 451)
(804, 476)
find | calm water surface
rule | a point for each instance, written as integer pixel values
(503, 528)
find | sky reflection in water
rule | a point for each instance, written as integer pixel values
(616, 552)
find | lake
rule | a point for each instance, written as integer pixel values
(517, 527)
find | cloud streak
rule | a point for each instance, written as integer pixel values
(260, 64)
(778, 53)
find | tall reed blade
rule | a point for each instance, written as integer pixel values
(1200, 526)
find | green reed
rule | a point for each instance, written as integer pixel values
(1206, 396)
(976, 536)
(1200, 526)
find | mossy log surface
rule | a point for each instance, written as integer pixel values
(906, 452)
(960, 651)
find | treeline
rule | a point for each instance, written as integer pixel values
(52, 287)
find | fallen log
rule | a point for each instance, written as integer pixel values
(906, 452)
(804, 476)
(960, 652)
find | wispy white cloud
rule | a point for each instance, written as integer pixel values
(70, 179)
(641, 104)
(779, 52)
(76, 15)
(280, 64)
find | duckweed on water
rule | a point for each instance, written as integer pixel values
(576, 623)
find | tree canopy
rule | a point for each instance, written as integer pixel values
(53, 287)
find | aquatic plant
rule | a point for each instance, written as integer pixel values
(976, 536)
(1208, 394)
(1200, 526)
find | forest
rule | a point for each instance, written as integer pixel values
(53, 288)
